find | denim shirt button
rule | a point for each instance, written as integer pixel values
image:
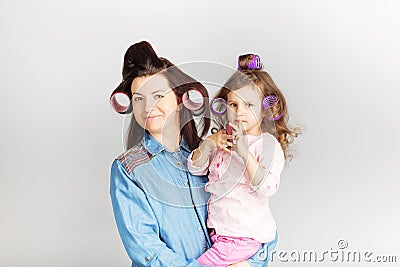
(147, 258)
(186, 184)
(178, 163)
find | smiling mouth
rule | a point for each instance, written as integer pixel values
(152, 117)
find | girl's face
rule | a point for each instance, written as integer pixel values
(154, 104)
(244, 107)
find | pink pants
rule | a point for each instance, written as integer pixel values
(227, 250)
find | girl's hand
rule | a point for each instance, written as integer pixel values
(217, 140)
(241, 147)
(220, 140)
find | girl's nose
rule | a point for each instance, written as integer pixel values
(240, 111)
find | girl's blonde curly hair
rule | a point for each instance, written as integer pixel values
(275, 118)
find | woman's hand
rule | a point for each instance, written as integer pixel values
(240, 264)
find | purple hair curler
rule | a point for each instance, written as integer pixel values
(255, 63)
(218, 106)
(269, 101)
(120, 102)
(276, 118)
(193, 99)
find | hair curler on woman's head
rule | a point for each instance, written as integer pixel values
(141, 60)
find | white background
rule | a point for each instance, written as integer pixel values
(337, 62)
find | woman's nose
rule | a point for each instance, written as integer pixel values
(149, 106)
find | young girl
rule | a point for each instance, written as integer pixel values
(244, 166)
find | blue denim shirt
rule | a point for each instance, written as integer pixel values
(159, 207)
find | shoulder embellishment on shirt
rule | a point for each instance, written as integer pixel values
(134, 157)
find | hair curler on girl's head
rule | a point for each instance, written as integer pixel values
(249, 62)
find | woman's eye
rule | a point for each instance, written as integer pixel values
(158, 96)
(232, 105)
(249, 105)
(137, 98)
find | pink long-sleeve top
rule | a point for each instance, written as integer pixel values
(236, 208)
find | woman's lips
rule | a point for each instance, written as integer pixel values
(151, 117)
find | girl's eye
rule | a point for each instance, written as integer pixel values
(232, 105)
(137, 98)
(249, 105)
(158, 96)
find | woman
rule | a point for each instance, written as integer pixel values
(159, 207)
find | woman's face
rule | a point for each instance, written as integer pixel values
(244, 108)
(155, 106)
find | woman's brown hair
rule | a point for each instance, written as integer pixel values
(141, 60)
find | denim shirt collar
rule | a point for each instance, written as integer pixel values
(154, 147)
